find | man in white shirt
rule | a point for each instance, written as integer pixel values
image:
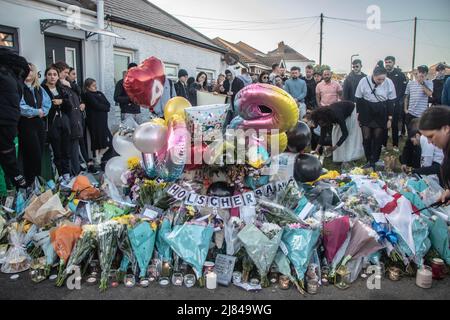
(417, 94)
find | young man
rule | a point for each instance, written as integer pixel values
(416, 95)
(275, 72)
(168, 93)
(328, 91)
(127, 107)
(438, 84)
(310, 99)
(181, 85)
(296, 87)
(398, 116)
(445, 97)
(245, 77)
(352, 81)
(231, 86)
(13, 71)
(420, 156)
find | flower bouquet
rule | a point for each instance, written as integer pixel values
(162, 246)
(108, 234)
(83, 247)
(142, 238)
(300, 243)
(284, 268)
(16, 259)
(42, 240)
(261, 246)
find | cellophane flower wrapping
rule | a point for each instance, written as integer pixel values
(142, 238)
(108, 234)
(300, 243)
(232, 228)
(17, 258)
(163, 248)
(261, 245)
(191, 243)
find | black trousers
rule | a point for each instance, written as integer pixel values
(408, 118)
(31, 146)
(396, 125)
(62, 147)
(372, 142)
(8, 159)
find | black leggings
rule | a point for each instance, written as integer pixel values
(372, 141)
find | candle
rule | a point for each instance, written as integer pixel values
(313, 286)
(177, 279)
(129, 281)
(437, 268)
(283, 281)
(211, 280)
(394, 273)
(189, 280)
(237, 277)
(424, 277)
(164, 281)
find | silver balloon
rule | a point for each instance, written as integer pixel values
(114, 169)
(150, 137)
(148, 160)
(125, 147)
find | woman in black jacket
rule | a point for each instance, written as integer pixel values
(97, 108)
(58, 123)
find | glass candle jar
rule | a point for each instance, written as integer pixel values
(424, 277)
(153, 272)
(284, 282)
(237, 277)
(37, 274)
(113, 278)
(312, 286)
(342, 280)
(166, 268)
(393, 273)
(129, 281)
(273, 277)
(208, 266)
(189, 280)
(177, 279)
(437, 268)
(164, 281)
(144, 282)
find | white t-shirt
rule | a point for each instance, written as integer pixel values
(385, 91)
(430, 153)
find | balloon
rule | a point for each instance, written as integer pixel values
(256, 182)
(124, 146)
(196, 153)
(257, 155)
(149, 164)
(299, 137)
(171, 160)
(150, 137)
(220, 189)
(158, 121)
(114, 169)
(307, 168)
(206, 119)
(264, 106)
(282, 141)
(176, 105)
(144, 84)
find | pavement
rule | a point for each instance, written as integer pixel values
(24, 288)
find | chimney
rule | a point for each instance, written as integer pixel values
(281, 47)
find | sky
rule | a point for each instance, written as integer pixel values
(264, 23)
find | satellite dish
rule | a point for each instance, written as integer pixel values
(231, 58)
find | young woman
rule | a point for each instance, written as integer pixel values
(34, 107)
(346, 138)
(72, 78)
(200, 84)
(264, 77)
(58, 123)
(375, 95)
(97, 108)
(435, 126)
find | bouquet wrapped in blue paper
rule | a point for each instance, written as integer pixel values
(261, 245)
(191, 243)
(162, 246)
(300, 243)
(142, 239)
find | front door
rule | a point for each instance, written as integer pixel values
(63, 49)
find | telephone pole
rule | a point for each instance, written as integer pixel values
(414, 44)
(321, 36)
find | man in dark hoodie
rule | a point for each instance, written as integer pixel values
(127, 107)
(398, 116)
(352, 81)
(180, 86)
(13, 71)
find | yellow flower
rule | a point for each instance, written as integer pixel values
(154, 225)
(133, 162)
(374, 175)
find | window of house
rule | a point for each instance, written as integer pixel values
(122, 57)
(9, 38)
(211, 74)
(171, 71)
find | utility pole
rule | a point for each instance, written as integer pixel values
(414, 44)
(101, 45)
(321, 36)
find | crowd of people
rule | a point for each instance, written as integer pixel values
(351, 121)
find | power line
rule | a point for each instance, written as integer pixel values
(250, 21)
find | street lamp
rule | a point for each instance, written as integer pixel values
(351, 60)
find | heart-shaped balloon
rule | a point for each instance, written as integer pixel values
(144, 84)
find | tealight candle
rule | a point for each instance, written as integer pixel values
(177, 279)
(189, 280)
(283, 281)
(237, 277)
(164, 281)
(129, 281)
(144, 282)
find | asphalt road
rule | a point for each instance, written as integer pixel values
(24, 288)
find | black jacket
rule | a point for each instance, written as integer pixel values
(181, 89)
(58, 116)
(350, 85)
(11, 89)
(121, 97)
(438, 86)
(76, 116)
(236, 86)
(310, 99)
(400, 82)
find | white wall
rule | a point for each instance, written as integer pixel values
(25, 16)
(301, 64)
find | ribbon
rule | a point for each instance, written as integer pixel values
(385, 233)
